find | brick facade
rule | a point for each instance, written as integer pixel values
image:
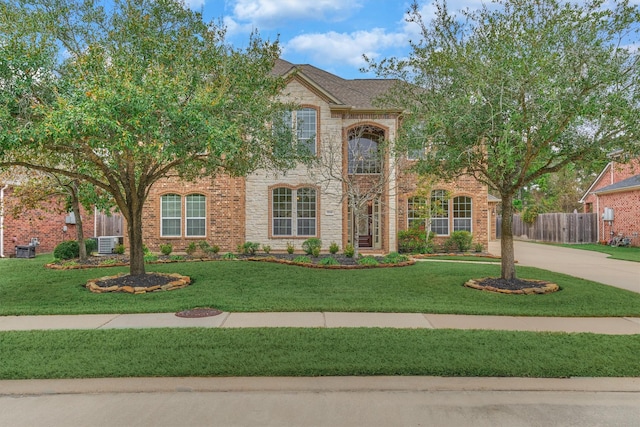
(625, 203)
(225, 212)
(47, 224)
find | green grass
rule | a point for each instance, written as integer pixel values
(313, 352)
(621, 253)
(470, 258)
(27, 288)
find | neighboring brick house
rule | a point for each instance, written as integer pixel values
(275, 209)
(50, 224)
(615, 197)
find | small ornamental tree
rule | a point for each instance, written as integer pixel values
(518, 89)
(127, 91)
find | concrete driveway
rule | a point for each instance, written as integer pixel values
(575, 262)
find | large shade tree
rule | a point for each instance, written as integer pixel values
(519, 89)
(127, 91)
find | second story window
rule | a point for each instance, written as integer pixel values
(364, 152)
(299, 130)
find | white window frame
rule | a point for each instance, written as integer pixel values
(176, 198)
(467, 210)
(298, 209)
(440, 219)
(202, 218)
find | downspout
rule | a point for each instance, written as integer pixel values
(2, 220)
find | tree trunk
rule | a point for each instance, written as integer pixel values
(506, 241)
(134, 230)
(75, 207)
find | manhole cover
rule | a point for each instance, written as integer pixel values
(199, 312)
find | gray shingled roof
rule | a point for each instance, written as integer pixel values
(357, 93)
(634, 181)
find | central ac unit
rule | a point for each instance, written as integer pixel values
(106, 244)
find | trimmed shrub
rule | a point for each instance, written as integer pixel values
(266, 249)
(415, 241)
(166, 249)
(229, 255)
(462, 240)
(248, 248)
(290, 248)
(309, 245)
(191, 248)
(67, 250)
(333, 248)
(349, 251)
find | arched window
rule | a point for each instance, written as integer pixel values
(364, 153)
(462, 213)
(439, 212)
(171, 215)
(196, 208)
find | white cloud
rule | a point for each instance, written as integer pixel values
(334, 48)
(272, 12)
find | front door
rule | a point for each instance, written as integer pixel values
(366, 222)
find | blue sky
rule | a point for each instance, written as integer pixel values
(330, 34)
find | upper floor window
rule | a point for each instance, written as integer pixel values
(462, 213)
(289, 204)
(302, 125)
(364, 153)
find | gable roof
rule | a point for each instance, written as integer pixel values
(356, 94)
(628, 184)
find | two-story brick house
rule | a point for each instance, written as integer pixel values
(337, 120)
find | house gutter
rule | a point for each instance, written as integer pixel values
(2, 220)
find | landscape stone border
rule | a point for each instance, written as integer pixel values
(544, 288)
(330, 267)
(179, 283)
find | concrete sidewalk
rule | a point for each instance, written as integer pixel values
(601, 325)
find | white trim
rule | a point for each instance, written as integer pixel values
(595, 181)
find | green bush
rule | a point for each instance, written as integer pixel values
(176, 258)
(328, 261)
(309, 245)
(248, 248)
(166, 249)
(145, 250)
(213, 249)
(67, 250)
(91, 245)
(368, 260)
(191, 248)
(349, 251)
(119, 249)
(462, 240)
(333, 248)
(415, 241)
(315, 252)
(394, 258)
(478, 247)
(70, 249)
(229, 255)
(448, 245)
(204, 246)
(150, 258)
(530, 214)
(266, 249)
(303, 259)
(290, 248)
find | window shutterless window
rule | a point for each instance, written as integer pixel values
(284, 210)
(196, 208)
(364, 156)
(296, 131)
(439, 212)
(171, 215)
(281, 211)
(416, 212)
(462, 213)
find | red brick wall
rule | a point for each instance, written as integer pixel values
(45, 223)
(225, 222)
(625, 205)
(463, 186)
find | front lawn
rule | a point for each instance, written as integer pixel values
(28, 288)
(313, 352)
(622, 253)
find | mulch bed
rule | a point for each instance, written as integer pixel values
(512, 286)
(140, 281)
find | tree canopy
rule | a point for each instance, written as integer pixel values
(129, 90)
(518, 89)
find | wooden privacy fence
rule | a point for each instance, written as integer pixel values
(109, 225)
(556, 228)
